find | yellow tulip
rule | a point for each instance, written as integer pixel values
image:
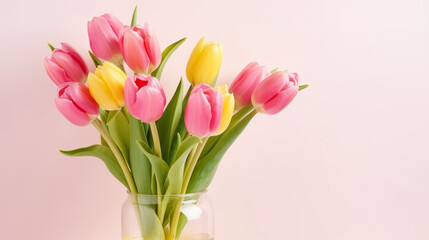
(204, 62)
(228, 108)
(107, 86)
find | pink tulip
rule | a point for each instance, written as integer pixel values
(140, 48)
(103, 32)
(66, 65)
(144, 97)
(203, 112)
(75, 103)
(245, 83)
(275, 92)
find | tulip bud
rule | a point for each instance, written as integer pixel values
(144, 98)
(103, 32)
(245, 83)
(75, 103)
(227, 110)
(204, 62)
(66, 65)
(275, 92)
(140, 48)
(203, 112)
(107, 86)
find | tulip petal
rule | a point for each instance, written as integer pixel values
(216, 110)
(71, 68)
(198, 115)
(193, 59)
(83, 99)
(70, 111)
(55, 72)
(115, 23)
(114, 78)
(227, 110)
(280, 101)
(150, 104)
(152, 46)
(245, 83)
(101, 93)
(102, 38)
(76, 56)
(130, 91)
(269, 87)
(243, 72)
(208, 65)
(133, 50)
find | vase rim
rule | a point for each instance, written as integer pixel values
(170, 195)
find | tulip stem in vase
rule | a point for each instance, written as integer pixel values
(98, 125)
(186, 178)
(157, 146)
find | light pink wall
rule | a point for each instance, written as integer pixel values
(347, 160)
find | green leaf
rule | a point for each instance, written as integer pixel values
(95, 59)
(112, 115)
(134, 18)
(274, 70)
(139, 164)
(303, 87)
(51, 47)
(173, 182)
(159, 167)
(177, 141)
(119, 130)
(105, 154)
(236, 118)
(166, 54)
(124, 110)
(167, 124)
(103, 115)
(182, 223)
(206, 166)
(181, 128)
(152, 227)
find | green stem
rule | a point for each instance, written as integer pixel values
(124, 166)
(157, 146)
(186, 178)
(240, 114)
(155, 137)
(192, 163)
(99, 126)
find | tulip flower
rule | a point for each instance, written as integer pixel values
(203, 112)
(227, 110)
(204, 62)
(107, 86)
(275, 92)
(144, 97)
(75, 103)
(103, 32)
(245, 83)
(140, 48)
(66, 65)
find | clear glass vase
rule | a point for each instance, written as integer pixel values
(167, 217)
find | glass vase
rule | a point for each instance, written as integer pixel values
(167, 217)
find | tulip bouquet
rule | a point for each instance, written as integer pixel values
(150, 146)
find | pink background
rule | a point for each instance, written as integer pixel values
(347, 160)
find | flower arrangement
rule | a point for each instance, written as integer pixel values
(150, 146)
